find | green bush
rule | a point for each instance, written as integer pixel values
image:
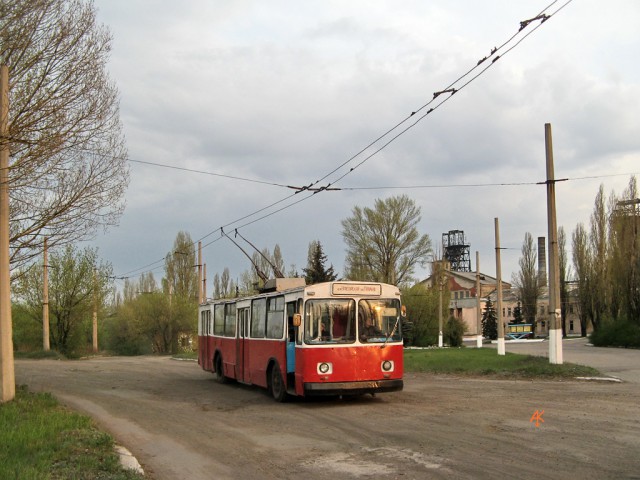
(617, 334)
(453, 332)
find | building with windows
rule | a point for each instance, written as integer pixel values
(463, 302)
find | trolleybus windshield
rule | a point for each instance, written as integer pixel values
(379, 321)
(330, 321)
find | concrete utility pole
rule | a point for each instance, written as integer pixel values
(95, 311)
(440, 286)
(204, 283)
(7, 370)
(555, 327)
(200, 284)
(45, 300)
(501, 350)
(478, 313)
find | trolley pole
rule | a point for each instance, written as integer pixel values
(7, 368)
(45, 300)
(555, 330)
(478, 313)
(501, 350)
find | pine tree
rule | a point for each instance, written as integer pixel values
(517, 314)
(489, 321)
(315, 272)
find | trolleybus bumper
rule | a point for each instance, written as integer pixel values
(353, 388)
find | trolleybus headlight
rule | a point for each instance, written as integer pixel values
(325, 368)
(387, 365)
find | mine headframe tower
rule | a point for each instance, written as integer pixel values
(456, 250)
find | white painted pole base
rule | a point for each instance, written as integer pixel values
(555, 347)
(479, 341)
(440, 341)
(501, 350)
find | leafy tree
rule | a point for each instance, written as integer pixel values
(181, 278)
(316, 272)
(598, 241)
(583, 267)
(383, 243)
(606, 259)
(527, 281)
(624, 255)
(490, 321)
(152, 320)
(422, 303)
(69, 170)
(77, 280)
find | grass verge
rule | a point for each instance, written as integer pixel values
(186, 356)
(42, 440)
(486, 361)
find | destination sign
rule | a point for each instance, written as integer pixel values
(356, 289)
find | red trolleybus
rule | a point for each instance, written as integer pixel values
(334, 338)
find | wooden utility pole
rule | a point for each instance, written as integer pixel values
(555, 327)
(501, 350)
(7, 370)
(45, 300)
(478, 312)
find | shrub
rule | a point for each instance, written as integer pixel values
(617, 334)
(453, 332)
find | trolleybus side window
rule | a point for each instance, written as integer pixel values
(258, 317)
(230, 320)
(218, 319)
(275, 317)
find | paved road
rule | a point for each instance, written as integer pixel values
(621, 363)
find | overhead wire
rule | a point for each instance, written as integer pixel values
(451, 89)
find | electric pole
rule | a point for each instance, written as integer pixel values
(7, 370)
(478, 313)
(95, 311)
(200, 284)
(45, 300)
(501, 350)
(555, 330)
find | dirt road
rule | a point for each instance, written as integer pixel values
(180, 424)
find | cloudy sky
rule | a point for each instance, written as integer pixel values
(260, 95)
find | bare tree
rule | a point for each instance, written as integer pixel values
(68, 170)
(527, 281)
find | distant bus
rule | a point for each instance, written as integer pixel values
(334, 338)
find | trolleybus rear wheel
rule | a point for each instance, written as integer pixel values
(278, 389)
(219, 374)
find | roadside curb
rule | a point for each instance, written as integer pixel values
(128, 461)
(600, 379)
